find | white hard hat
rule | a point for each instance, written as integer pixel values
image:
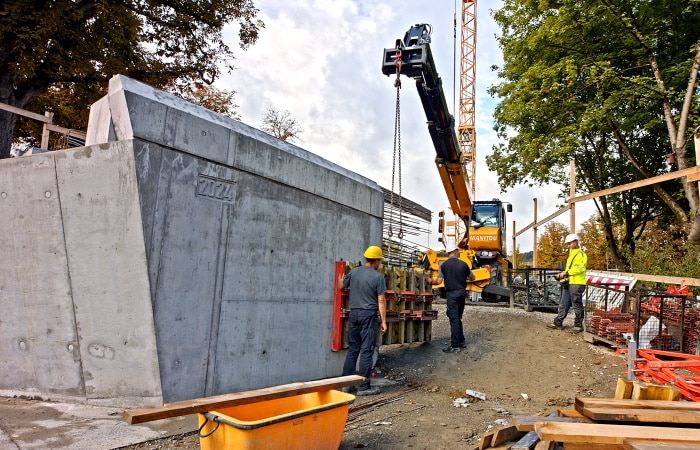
(570, 238)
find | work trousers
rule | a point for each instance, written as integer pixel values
(362, 338)
(571, 295)
(455, 309)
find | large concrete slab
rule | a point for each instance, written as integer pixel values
(180, 254)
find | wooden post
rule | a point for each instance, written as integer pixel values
(572, 194)
(45, 131)
(515, 260)
(534, 235)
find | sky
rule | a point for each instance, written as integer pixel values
(321, 61)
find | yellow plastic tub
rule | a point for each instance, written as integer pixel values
(308, 421)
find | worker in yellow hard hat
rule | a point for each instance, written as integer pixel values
(367, 308)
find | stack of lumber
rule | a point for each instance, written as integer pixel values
(607, 423)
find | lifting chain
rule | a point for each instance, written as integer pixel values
(397, 146)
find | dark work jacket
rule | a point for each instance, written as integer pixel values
(455, 272)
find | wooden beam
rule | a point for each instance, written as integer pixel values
(593, 402)
(506, 434)
(206, 404)
(545, 220)
(25, 113)
(642, 390)
(596, 433)
(637, 184)
(637, 444)
(623, 389)
(527, 423)
(671, 416)
(589, 446)
(64, 130)
(667, 280)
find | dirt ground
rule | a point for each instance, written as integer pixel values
(522, 367)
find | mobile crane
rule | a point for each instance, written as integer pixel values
(483, 245)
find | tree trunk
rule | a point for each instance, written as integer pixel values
(7, 126)
(14, 95)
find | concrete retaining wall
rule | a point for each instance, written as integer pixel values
(181, 254)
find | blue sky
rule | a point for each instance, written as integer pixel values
(321, 61)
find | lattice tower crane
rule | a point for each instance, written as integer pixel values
(466, 130)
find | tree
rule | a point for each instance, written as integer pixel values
(592, 240)
(280, 124)
(218, 100)
(610, 84)
(550, 245)
(522, 260)
(82, 44)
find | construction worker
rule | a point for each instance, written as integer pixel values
(455, 273)
(573, 281)
(367, 298)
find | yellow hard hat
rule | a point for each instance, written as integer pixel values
(373, 252)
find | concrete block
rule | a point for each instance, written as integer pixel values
(181, 254)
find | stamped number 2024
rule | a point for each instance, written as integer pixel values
(215, 189)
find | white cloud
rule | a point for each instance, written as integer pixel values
(321, 61)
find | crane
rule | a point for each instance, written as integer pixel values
(483, 245)
(466, 130)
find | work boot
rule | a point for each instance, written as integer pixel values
(576, 330)
(370, 391)
(450, 349)
(554, 326)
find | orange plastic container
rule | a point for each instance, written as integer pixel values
(308, 421)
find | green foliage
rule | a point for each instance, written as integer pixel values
(67, 44)
(522, 260)
(664, 251)
(593, 243)
(604, 83)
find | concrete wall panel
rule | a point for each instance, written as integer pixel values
(107, 263)
(38, 340)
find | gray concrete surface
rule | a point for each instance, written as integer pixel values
(180, 254)
(39, 425)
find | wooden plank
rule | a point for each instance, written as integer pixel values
(527, 423)
(589, 446)
(508, 445)
(591, 402)
(596, 433)
(637, 184)
(636, 444)
(485, 441)
(185, 407)
(506, 434)
(545, 445)
(570, 413)
(527, 442)
(648, 391)
(25, 113)
(643, 415)
(623, 389)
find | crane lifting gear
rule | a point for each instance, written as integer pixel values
(483, 244)
(417, 63)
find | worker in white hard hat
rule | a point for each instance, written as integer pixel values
(367, 302)
(573, 285)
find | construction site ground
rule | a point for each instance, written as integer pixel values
(519, 365)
